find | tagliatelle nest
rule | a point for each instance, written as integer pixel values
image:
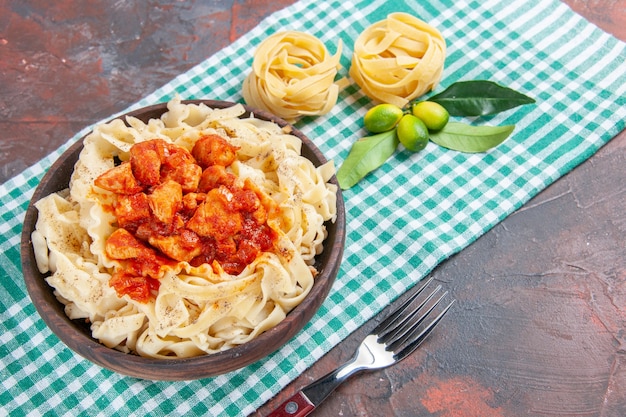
(398, 59)
(293, 75)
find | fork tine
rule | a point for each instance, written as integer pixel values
(399, 329)
(383, 325)
(409, 329)
(415, 339)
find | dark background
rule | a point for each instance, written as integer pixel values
(540, 324)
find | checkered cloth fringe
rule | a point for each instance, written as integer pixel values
(402, 220)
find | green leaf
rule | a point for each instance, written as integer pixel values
(479, 98)
(472, 139)
(366, 155)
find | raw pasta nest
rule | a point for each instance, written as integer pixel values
(398, 59)
(293, 75)
(199, 309)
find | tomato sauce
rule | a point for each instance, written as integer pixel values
(178, 206)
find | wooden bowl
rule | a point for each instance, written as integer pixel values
(76, 333)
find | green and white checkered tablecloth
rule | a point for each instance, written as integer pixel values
(404, 219)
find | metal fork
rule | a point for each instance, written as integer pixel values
(392, 340)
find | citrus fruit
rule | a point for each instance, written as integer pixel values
(434, 115)
(412, 133)
(382, 118)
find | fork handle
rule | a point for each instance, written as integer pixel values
(298, 405)
(303, 402)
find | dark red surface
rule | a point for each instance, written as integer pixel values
(540, 326)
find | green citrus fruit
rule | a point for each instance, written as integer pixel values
(412, 133)
(382, 118)
(434, 115)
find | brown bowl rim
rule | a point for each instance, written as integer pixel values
(77, 336)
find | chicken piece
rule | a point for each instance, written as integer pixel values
(137, 288)
(177, 155)
(155, 227)
(186, 174)
(225, 249)
(146, 159)
(132, 210)
(214, 217)
(181, 167)
(191, 201)
(123, 245)
(267, 206)
(166, 199)
(207, 254)
(245, 200)
(248, 201)
(183, 246)
(247, 251)
(119, 180)
(259, 215)
(214, 150)
(213, 177)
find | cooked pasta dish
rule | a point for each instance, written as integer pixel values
(186, 235)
